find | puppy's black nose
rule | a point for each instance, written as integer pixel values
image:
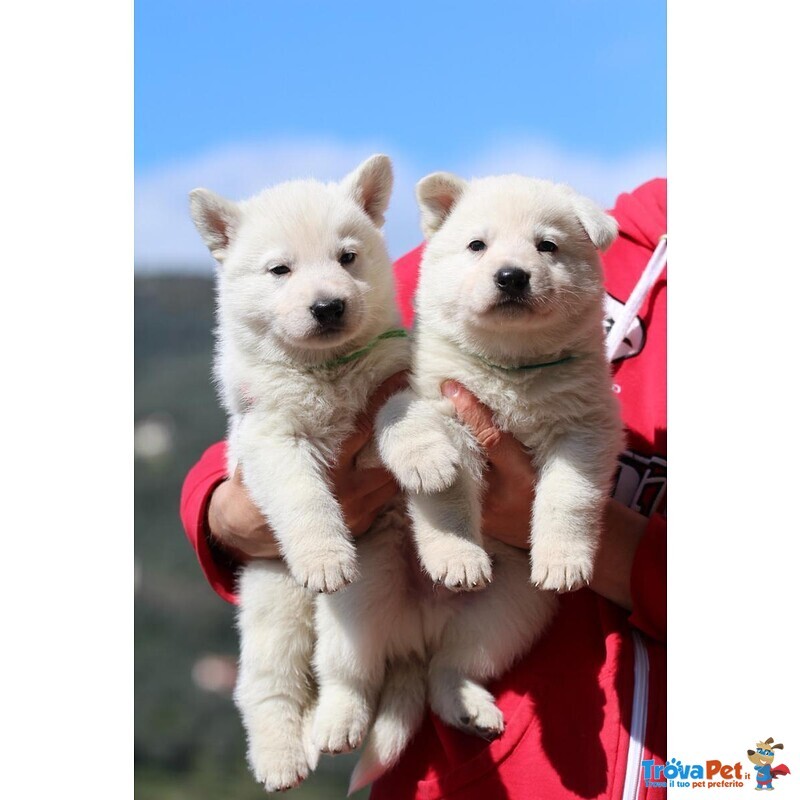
(328, 312)
(512, 280)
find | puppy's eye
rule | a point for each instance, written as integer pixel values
(345, 259)
(476, 245)
(546, 246)
(281, 269)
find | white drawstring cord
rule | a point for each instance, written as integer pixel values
(647, 279)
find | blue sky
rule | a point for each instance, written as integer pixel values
(240, 92)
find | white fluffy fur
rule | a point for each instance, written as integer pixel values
(380, 636)
(566, 415)
(288, 416)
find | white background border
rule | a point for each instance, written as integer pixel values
(68, 385)
(734, 317)
(66, 156)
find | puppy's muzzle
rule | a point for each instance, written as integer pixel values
(512, 281)
(328, 313)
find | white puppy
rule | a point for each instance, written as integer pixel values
(300, 352)
(307, 329)
(510, 304)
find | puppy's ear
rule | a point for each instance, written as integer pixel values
(436, 195)
(216, 219)
(370, 185)
(601, 228)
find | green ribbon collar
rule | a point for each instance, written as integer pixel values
(399, 333)
(395, 333)
(526, 367)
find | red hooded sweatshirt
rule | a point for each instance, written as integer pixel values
(588, 703)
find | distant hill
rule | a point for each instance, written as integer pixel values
(174, 315)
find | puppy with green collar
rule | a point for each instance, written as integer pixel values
(510, 304)
(307, 330)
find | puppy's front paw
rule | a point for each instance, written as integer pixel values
(554, 569)
(326, 570)
(459, 565)
(282, 766)
(427, 463)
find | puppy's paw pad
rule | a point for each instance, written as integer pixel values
(465, 567)
(560, 575)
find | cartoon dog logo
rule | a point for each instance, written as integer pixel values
(762, 757)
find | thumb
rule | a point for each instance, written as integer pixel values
(503, 451)
(474, 414)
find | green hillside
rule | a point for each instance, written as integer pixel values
(188, 740)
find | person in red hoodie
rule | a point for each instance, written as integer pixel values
(588, 703)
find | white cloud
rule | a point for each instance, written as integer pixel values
(165, 238)
(600, 179)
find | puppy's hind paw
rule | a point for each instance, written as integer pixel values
(339, 729)
(477, 713)
(281, 768)
(461, 566)
(488, 725)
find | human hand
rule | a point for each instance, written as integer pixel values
(508, 501)
(509, 476)
(362, 493)
(238, 527)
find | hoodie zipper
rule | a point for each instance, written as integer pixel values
(641, 676)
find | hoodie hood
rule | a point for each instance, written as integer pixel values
(642, 213)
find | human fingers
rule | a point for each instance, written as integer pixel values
(354, 488)
(245, 548)
(394, 383)
(474, 414)
(503, 451)
(363, 431)
(247, 513)
(506, 508)
(371, 506)
(365, 481)
(237, 525)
